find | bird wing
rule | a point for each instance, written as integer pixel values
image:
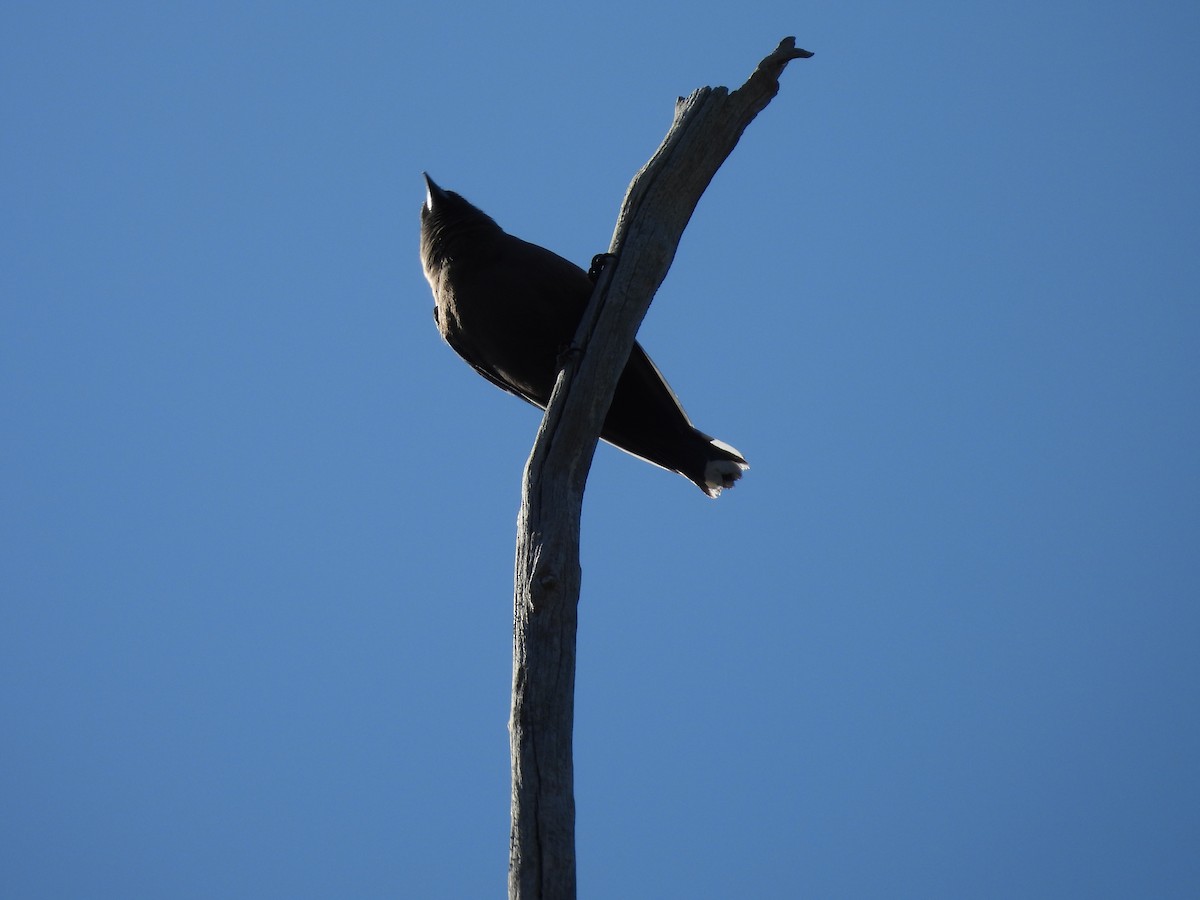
(464, 351)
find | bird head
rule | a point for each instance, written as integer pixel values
(446, 219)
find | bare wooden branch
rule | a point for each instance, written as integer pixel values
(656, 209)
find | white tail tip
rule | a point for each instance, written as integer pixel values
(720, 474)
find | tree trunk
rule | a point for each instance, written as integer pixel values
(656, 209)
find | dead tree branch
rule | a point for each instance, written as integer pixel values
(656, 209)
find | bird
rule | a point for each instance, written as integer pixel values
(510, 309)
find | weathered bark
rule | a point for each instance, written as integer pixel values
(655, 211)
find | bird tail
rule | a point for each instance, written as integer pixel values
(722, 469)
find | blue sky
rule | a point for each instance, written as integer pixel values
(258, 520)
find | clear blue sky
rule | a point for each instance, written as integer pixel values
(258, 520)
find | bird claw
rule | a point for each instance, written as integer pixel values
(567, 354)
(599, 261)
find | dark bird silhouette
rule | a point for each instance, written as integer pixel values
(510, 308)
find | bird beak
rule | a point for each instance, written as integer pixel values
(433, 193)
